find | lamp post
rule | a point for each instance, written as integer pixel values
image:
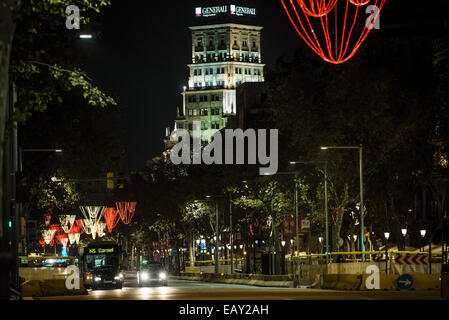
(217, 226)
(404, 233)
(423, 235)
(326, 209)
(283, 242)
(387, 236)
(362, 205)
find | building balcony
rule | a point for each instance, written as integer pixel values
(226, 59)
(222, 87)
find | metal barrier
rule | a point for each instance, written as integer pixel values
(44, 268)
(348, 257)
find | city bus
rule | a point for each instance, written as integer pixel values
(100, 254)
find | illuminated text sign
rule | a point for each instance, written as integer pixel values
(101, 250)
(219, 10)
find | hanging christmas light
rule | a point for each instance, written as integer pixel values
(126, 211)
(62, 239)
(100, 229)
(47, 219)
(67, 222)
(74, 234)
(48, 236)
(79, 224)
(317, 8)
(92, 216)
(112, 217)
(341, 42)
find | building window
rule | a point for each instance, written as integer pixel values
(215, 125)
(204, 112)
(191, 98)
(215, 111)
(204, 125)
(190, 126)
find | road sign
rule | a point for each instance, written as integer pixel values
(405, 282)
(411, 259)
(289, 226)
(305, 225)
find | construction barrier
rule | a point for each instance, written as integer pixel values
(421, 282)
(253, 280)
(341, 281)
(49, 288)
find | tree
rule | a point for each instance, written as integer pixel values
(34, 51)
(375, 100)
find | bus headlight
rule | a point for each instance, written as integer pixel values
(144, 275)
(162, 275)
(97, 279)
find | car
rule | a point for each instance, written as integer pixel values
(153, 273)
(107, 277)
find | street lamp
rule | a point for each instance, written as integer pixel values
(362, 205)
(230, 228)
(326, 213)
(387, 236)
(404, 232)
(423, 235)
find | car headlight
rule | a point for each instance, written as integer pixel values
(163, 275)
(117, 278)
(97, 279)
(144, 275)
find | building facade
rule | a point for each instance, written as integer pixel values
(223, 57)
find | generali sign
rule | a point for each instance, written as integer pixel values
(219, 10)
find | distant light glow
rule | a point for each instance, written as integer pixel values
(86, 36)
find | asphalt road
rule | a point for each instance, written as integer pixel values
(193, 290)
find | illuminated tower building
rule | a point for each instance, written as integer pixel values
(224, 56)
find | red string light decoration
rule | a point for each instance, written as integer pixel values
(74, 234)
(126, 211)
(79, 225)
(62, 239)
(318, 8)
(112, 217)
(313, 17)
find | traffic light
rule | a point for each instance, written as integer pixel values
(22, 226)
(110, 180)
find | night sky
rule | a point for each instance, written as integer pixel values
(141, 55)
